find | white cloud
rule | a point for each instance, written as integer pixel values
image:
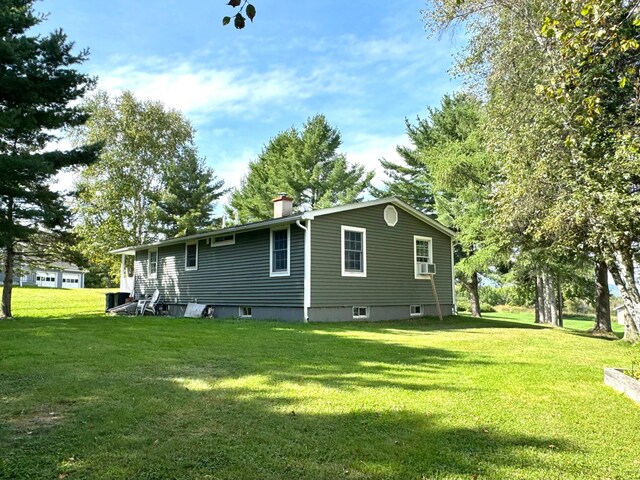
(199, 91)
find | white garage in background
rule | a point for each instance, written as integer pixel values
(52, 275)
(46, 278)
(71, 280)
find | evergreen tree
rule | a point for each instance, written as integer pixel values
(186, 203)
(451, 174)
(38, 91)
(410, 181)
(307, 166)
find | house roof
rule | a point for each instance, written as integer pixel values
(222, 231)
(290, 219)
(66, 266)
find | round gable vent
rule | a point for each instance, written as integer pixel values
(391, 215)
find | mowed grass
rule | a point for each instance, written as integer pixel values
(83, 395)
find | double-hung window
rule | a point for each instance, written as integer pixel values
(354, 252)
(191, 256)
(153, 262)
(280, 240)
(423, 257)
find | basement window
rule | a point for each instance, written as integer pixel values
(360, 312)
(415, 310)
(245, 312)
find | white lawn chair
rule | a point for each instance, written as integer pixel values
(148, 304)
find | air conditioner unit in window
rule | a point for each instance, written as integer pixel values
(426, 268)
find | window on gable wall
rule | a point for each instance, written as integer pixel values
(354, 252)
(422, 247)
(191, 256)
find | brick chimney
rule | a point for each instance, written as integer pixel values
(282, 205)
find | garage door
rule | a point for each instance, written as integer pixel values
(46, 279)
(70, 280)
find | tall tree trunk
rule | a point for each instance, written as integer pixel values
(550, 300)
(539, 302)
(603, 307)
(559, 303)
(9, 255)
(621, 268)
(631, 332)
(474, 296)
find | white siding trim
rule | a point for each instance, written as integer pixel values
(281, 273)
(346, 273)
(307, 270)
(453, 281)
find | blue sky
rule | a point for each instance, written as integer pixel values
(366, 65)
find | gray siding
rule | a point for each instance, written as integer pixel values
(390, 262)
(376, 313)
(231, 275)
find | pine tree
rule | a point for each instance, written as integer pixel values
(186, 203)
(411, 180)
(38, 90)
(449, 174)
(307, 166)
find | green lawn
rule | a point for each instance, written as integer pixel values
(83, 395)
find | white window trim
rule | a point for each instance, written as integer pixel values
(232, 241)
(152, 275)
(241, 315)
(366, 315)
(347, 273)
(419, 314)
(185, 255)
(415, 256)
(280, 273)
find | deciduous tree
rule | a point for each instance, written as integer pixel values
(146, 147)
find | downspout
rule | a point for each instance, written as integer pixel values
(307, 267)
(122, 272)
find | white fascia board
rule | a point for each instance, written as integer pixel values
(382, 201)
(131, 250)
